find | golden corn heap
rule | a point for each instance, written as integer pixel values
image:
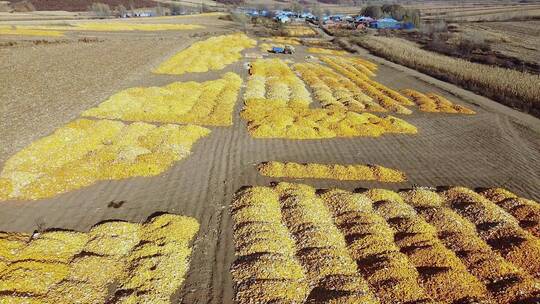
(214, 53)
(326, 51)
(17, 30)
(207, 103)
(333, 90)
(115, 262)
(283, 40)
(359, 74)
(434, 103)
(272, 81)
(86, 151)
(299, 31)
(280, 121)
(330, 171)
(295, 244)
(277, 106)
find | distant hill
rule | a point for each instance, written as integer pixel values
(82, 5)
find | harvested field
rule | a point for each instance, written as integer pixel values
(8, 30)
(117, 26)
(327, 171)
(414, 245)
(117, 261)
(48, 86)
(212, 54)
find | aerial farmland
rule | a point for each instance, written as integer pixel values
(212, 158)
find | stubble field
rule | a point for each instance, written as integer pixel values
(332, 113)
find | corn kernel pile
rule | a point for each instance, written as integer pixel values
(86, 151)
(299, 31)
(283, 40)
(326, 51)
(359, 74)
(24, 31)
(333, 90)
(277, 121)
(339, 172)
(272, 81)
(211, 54)
(277, 106)
(208, 103)
(115, 262)
(295, 244)
(434, 103)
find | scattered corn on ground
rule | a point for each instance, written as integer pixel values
(214, 53)
(297, 244)
(326, 51)
(434, 103)
(330, 171)
(17, 30)
(115, 262)
(98, 150)
(277, 106)
(207, 103)
(299, 31)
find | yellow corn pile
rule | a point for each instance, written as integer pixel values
(97, 150)
(330, 171)
(299, 31)
(434, 103)
(333, 90)
(211, 54)
(127, 262)
(277, 106)
(326, 51)
(295, 244)
(385, 97)
(208, 103)
(283, 40)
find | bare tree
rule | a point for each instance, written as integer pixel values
(101, 10)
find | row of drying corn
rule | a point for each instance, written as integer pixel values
(412, 246)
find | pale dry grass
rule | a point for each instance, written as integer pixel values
(513, 88)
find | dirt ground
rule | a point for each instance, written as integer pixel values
(48, 86)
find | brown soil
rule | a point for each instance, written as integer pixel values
(49, 85)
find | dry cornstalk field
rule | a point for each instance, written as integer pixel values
(176, 160)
